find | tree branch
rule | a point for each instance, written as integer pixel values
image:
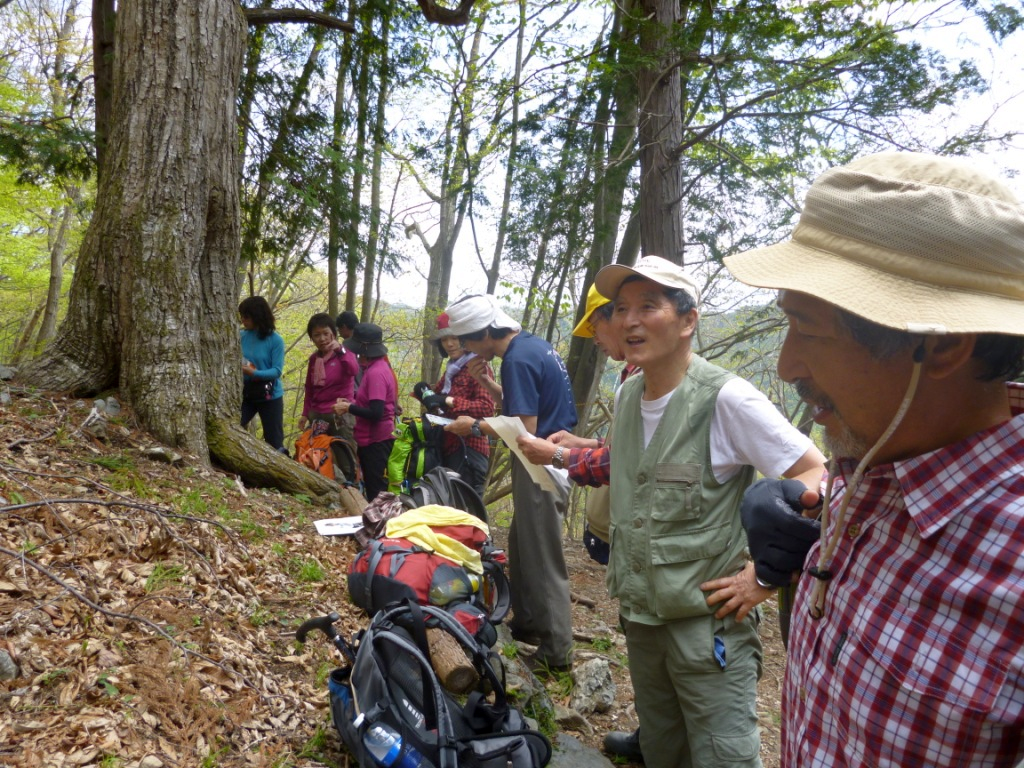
(153, 626)
(449, 17)
(256, 16)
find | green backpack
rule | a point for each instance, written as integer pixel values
(417, 450)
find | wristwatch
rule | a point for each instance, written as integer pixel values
(762, 584)
(475, 429)
(556, 459)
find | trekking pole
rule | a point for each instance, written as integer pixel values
(326, 625)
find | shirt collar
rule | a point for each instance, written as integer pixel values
(922, 478)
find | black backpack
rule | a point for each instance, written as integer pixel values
(444, 486)
(392, 688)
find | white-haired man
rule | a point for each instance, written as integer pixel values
(903, 285)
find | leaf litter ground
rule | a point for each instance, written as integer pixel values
(151, 609)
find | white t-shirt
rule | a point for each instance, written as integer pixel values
(746, 430)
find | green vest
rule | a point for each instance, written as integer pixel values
(673, 526)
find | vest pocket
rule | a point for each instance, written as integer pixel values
(678, 568)
(676, 492)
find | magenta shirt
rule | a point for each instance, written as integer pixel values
(378, 384)
(340, 374)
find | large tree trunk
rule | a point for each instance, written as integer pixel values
(152, 304)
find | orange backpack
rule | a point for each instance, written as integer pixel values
(319, 453)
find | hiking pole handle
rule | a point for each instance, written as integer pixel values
(324, 623)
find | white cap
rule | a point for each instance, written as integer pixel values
(662, 271)
(475, 313)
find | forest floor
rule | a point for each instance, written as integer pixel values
(151, 608)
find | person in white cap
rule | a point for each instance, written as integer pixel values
(535, 387)
(688, 438)
(903, 285)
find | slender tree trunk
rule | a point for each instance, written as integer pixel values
(337, 203)
(247, 91)
(660, 131)
(58, 244)
(354, 218)
(383, 88)
(513, 156)
(452, 200)
(152, 304)
(272, 162)
(617, 108)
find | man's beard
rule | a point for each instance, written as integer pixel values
(840, 441)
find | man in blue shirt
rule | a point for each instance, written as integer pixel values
(535, 387)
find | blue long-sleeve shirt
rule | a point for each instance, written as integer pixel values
(267, 355)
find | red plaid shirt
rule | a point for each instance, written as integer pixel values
(918, 659)
(590, 466)
(470, 399)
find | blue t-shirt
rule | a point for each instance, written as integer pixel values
(534, 382)
(267, 355)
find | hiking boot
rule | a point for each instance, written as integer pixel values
(624, 744)
(526, 637)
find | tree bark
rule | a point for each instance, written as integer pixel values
(660, 129)
(103, 18)
(152, 304)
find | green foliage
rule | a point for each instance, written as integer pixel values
(51, 676)
(306, 570)
(315, 747)
(164, 575)
(260, 616)
(103, 681)
(116, 463)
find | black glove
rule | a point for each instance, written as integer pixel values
(778, 535)
(434, 403)
(417, 389)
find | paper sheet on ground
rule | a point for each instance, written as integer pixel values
(339, 526)
(511, 427)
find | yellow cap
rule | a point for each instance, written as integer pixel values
(594, 302)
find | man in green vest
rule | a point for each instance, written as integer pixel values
(689, 437)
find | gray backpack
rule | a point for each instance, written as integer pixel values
(392, 688)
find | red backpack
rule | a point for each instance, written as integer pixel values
(391, 570)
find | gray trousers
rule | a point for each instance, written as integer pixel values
(693, 712)
(536, 564)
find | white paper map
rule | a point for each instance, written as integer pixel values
(339, 526)
(508, 428)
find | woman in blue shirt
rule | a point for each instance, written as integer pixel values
(262, 366)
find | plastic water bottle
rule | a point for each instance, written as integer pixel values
(425, 392)
(384, 744)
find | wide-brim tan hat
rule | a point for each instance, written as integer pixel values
(911, 241)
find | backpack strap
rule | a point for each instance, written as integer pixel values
(418, 628)
(375, 551)
(502, 600)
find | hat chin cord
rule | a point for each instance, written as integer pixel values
(829, 542)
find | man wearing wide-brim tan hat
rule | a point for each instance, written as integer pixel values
(903, 285)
